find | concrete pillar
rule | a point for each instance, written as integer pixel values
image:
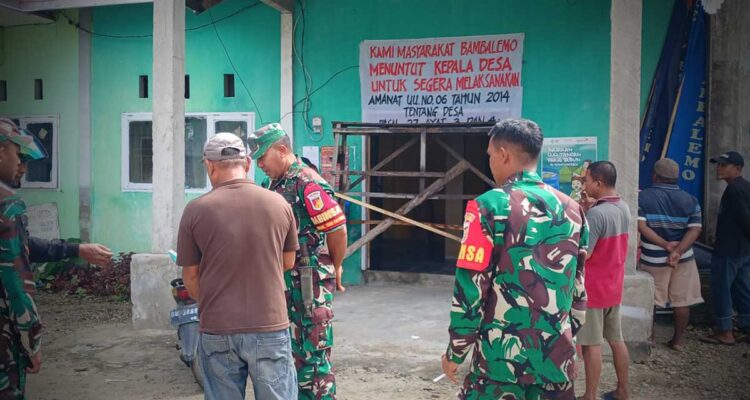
(84, 125)
(287, 73)
(168, 123)
(150, 274)
(624, 124)
(729, 99)
(624, 107)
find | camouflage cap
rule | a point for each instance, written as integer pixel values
(262, 139)
(28, 157)
(31, 148)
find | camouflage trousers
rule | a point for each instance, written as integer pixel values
(312, 336)
(12, 384)
(12, 368)
(481, 388)
(314, 370)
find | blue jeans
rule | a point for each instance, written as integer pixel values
(730, 284)
(227, 360)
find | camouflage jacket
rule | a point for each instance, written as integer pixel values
(18, 312)
(519, 296)
(315, 210)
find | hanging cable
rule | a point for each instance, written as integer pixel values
(299, 54)
(78, 26)
(237, 72)
(300, 101)
(305, 101)
(32, 24)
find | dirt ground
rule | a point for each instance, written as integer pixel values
(91, 352)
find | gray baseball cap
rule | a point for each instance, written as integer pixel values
(224, 146)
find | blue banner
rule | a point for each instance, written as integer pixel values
(663, 94)
(687, 134)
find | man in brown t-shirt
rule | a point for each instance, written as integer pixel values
(234, 244)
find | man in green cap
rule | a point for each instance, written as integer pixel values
(20, 349)
(311, 283)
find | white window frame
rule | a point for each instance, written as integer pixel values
(211, 119)
(24, 121)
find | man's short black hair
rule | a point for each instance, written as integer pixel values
(604, 172)
(309, 163)
(524, 133)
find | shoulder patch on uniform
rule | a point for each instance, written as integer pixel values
(476, 246)
(315, 200)
(324, 211)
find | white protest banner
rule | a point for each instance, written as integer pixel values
(441, 80)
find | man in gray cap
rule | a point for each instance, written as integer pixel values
(669, 221)
(730, 265)
(234, 244)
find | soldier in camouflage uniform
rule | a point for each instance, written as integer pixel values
(44, 250)
(519, 297)
(321, 222)
(20, 326)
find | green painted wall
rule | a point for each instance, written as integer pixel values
(656, 14)
(120, 219)
(50, 53)
(566, 54)
(565, 78)
(565, 70)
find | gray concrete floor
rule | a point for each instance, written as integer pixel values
(380, 319)
(388, 341)
(389, 338)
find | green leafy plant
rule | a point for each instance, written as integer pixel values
(76, 277)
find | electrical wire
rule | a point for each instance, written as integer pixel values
(32, 24)
(298, 102)
(223, 46)
(300, 60)
(78, 26)
(214, 22)
(300, 56)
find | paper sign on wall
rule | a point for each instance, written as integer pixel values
(441, 80)
(565, 160)
(43, 221)
(312, 153)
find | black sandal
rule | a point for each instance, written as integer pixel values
(712, 339)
